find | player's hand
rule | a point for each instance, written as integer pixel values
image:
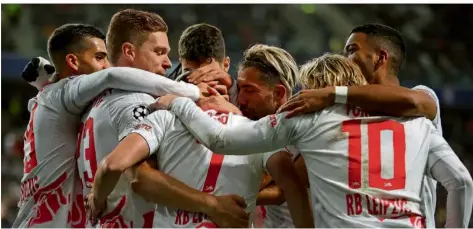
(308, 101)
(163, 102)
(210, 72)
(228, 211)
(94, 208)
(218, 102)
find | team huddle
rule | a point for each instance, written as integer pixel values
(111, 142)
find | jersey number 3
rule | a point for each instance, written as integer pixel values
(87, 134)
(398, 181)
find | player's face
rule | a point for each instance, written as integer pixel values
(94, 58)
(256, 98)
(359, 50)
(152, 56)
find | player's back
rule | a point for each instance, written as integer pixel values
(49, 166)
(107, 120)
(181, 156)
(364, 171)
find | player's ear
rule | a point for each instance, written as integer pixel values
(72, 62)
(226, 64)
(382, 58)
(128, 51)
(280, 92)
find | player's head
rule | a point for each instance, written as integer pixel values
(330, 70)
(77, 49)
(378, 50)
(202, 44)
(138, 39)
(266, 78)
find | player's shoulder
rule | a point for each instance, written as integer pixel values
(427, 90)
(117, 97)
(161, 115)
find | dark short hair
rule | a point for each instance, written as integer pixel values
(70, 38)
(132, 26)
(387, 38)
(202, 41)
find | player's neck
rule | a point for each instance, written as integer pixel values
(391, 80)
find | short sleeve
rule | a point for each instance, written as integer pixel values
(437, 122)
(438, 149)
(288, 149)
(153, 128)
(128, 110)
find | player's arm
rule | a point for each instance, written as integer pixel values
(445, 167)
(80, 91)
(269, 133)
(272, 194)
(390, 100)
(301, 170)
(281, 167)
(159, 188)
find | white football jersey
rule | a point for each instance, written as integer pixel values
(110, 117)
(363, 171)
(47, 198)
(429, 197)
(181, 156)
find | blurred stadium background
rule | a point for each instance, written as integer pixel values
(439, 47)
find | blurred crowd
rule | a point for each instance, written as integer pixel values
(438, 41)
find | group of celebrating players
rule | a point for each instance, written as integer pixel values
(112, 143)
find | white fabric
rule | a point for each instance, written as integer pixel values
(337, 201)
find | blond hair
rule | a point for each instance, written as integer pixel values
(330, 70)
(275, 64)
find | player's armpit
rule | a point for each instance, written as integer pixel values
(281, 168)
(271, 195)
(393, 100)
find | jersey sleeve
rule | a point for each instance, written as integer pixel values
(269, 133)
(129, 110)
(153, 128)
(445, 166)
(437, 123)
(438, 148)
(267, 155)
(80, 91)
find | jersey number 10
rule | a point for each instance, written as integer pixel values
(398, 181)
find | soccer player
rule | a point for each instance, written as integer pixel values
(364, 171)
(265, 84)
(135, 39)
(180, 155)
(379, 51)
(47, 190)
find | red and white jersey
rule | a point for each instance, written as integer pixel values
(363, 171)
(280, 216)
(181, 156)
(429, 196)
(51, 136)
(110, 118)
